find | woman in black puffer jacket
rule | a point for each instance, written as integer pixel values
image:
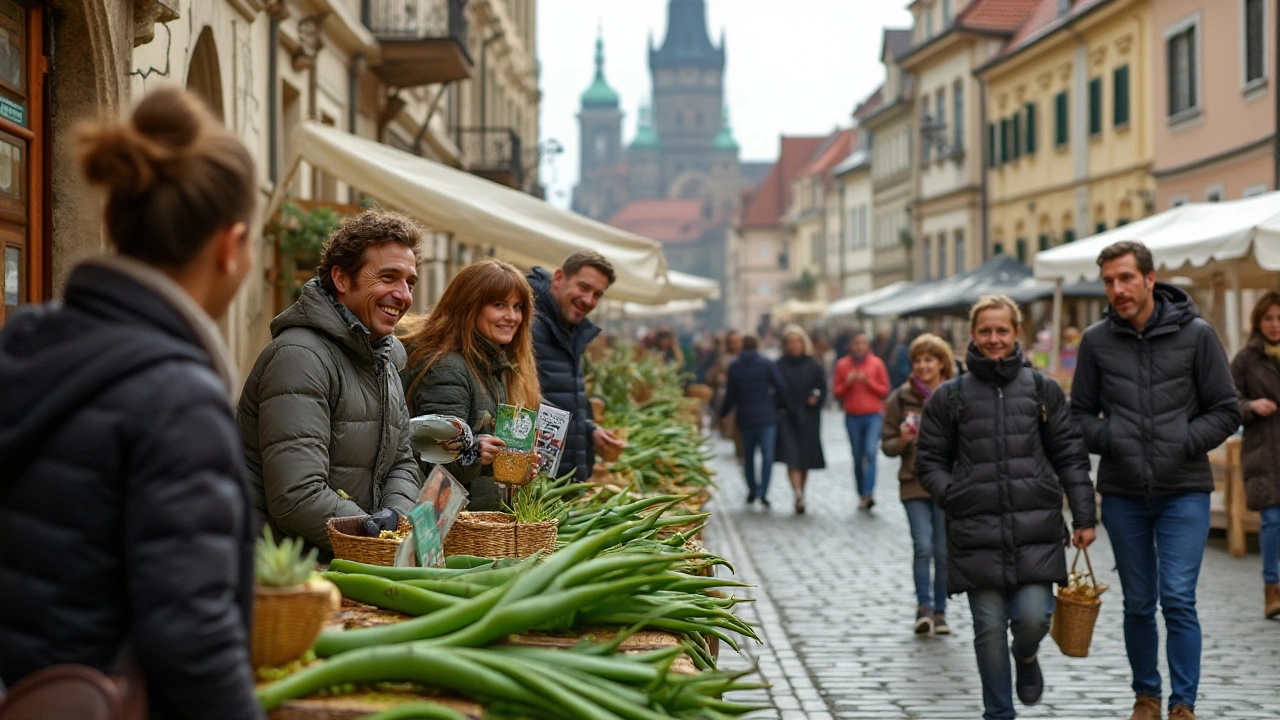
(996, 450)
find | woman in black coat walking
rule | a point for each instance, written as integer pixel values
(997, 448)
(800, 410)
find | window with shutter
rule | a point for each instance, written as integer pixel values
(1069, 235)
(1120, 106)
(959, 247)
(957, 122)
(1095, 106)
(1101, 227)
(1060, 120)
(1044, 242)
(997, 249)
(1254, 40)
(1022, 250)
(1016, 122)
(1004, 141)
(993, 154)
(1031, 128)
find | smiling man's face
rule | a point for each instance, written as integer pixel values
(578, 294)
(381, 291)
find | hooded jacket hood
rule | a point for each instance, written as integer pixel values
(317, 310)
(55, 358)
(1174, 308)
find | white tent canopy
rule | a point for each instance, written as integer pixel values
(671, 309)
(794, 307)
(848, 307)
(527, 230)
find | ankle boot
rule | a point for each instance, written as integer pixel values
(1271, 603)
(1146, 708)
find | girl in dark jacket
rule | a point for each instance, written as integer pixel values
(932, 364)
(996, 450)
(474, 353)
(126, 539)
(800, 410)
(1256, 370)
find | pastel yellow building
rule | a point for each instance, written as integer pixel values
(1068, 108)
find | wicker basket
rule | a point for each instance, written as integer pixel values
(286, 621)
(346, 536)
(498, 535)
(1074, 618)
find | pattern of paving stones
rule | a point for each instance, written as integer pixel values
(835, 604)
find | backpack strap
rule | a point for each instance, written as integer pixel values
(1041, 401)
(955, 399)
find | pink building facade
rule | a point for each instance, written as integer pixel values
(1215, 103)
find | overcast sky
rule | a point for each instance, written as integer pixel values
(793, 67)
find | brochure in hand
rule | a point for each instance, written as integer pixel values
(515, 426)
(553, 426)
(441, 501)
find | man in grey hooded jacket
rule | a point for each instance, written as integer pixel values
(323, 416)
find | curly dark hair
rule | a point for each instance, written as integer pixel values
(371, 228)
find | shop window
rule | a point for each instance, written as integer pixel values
(23, 264)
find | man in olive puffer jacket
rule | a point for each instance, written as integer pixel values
(323, 416)
(1153, 394)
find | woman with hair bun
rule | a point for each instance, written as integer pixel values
(126, 542)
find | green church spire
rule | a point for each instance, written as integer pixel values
(646, 138)
(600, 95)
(724, 139)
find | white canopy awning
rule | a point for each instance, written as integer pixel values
(527, 230)
(1186, 239)
(671, 309)
(794, 307)
(692, 287)
(848, 307)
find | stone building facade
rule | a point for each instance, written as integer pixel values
(454, 81)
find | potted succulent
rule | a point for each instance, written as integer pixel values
(291, 602)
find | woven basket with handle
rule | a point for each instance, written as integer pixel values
(286, 621)
(1074, 617)
(346, 536)
(498, 535)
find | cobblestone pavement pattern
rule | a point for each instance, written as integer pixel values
(835, 605)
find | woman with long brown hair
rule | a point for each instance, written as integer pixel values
(1256, 370)
(471, 355)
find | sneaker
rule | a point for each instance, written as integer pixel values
(765, 502)
(1271, 600)
(924, 621)
(1146, 708)
(1030, 681)
(940, 626)
(1181, 712)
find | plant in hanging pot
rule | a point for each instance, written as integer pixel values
(300, 237)
(291, 603)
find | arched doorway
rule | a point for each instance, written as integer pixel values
(204, 76)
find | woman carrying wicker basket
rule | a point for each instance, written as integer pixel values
(471, 355)
(997, 448)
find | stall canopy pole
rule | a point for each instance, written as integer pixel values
(1234, 308)
(1055, 341)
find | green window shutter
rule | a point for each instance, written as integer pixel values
(1031, 128)
(1060, 134)
(1120, 108)
(1017, 135)
(1044, 242)
(1068, 236)
(993, 155)
(1095, 106)
(1022, 250)
(1122, 222)
(1101, 227)
(1004, 141)
(997, 249)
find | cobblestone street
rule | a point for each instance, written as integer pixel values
(835, 606)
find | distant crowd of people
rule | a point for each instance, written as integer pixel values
(990, 447)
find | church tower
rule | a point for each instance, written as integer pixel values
(688, 94)
(600, 141)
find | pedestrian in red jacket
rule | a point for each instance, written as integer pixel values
(861, 384)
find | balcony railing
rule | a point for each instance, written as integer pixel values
(423, 41)
(493, 153)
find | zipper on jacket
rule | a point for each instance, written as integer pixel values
(383, 400)
(1148, 431)
(1009, 563)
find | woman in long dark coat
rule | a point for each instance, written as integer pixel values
(1256, 369)
(800, 410)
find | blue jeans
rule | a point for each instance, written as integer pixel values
(1159, 544)
(929, 540)
(864, 438)
(764, 437)
(1027, 611)
(1269, 544)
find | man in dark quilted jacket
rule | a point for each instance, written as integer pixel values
(1153, 395)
